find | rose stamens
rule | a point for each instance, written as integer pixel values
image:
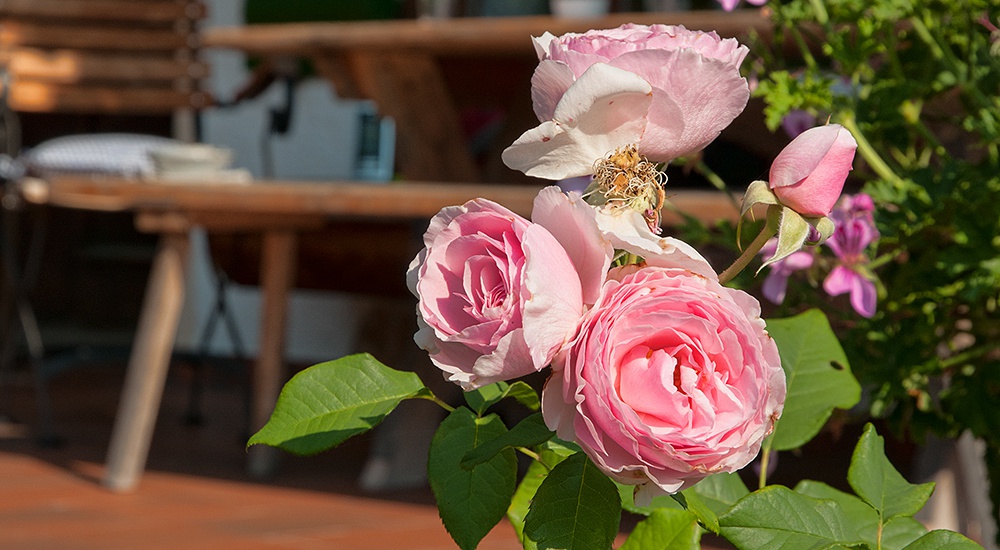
(625, 179)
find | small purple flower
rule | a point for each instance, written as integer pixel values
(855, 230)
(730, 5)
(796, 122)
(776, 283)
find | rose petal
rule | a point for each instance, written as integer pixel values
(549, 83)
(553, 301)
(605, 109)
(572, 222)
(694, 98)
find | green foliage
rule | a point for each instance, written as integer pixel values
(471, 501)
(941, 539)
(879, 484)
(817, 375)
(576, 508)
(666, 529)
(918, 84)
(777, 517)
(529, 432)
(550, 454)
(483, 398)
(325, 404)
(896, 533)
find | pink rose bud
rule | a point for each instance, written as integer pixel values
(671, 378)
(809, 173)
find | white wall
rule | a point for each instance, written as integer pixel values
(320, 146)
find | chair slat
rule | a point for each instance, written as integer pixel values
(69, 66)
(43, 97)
(107, 10)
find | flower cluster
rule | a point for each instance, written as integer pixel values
(659, 372)
(855, 232)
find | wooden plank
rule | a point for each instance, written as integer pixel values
(104, 10)
(460, 36)
(43, 97)
(68, 66)
(398, 200)
(21, 33)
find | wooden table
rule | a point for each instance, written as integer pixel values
(278, 212)
(401, 65)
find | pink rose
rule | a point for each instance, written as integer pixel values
(499, 295)
(809, 173)
(670, 378)
(665, 88)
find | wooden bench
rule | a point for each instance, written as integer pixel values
(102, 56)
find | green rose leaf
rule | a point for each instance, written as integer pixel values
(527, 433)
(665, 529)
(328, 403)
(776, 517)
(942, 539)
(896, 534)
(550, 453)
(471, 502)
(878, 483)
(576, 508)
(483, 398)
(817, 375)
(693, 503)
(719, 492)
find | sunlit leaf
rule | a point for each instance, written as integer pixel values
(817, 375)
(325, 404)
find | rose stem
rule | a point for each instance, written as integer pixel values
(769, 230)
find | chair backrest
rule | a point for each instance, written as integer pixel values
(101, 56)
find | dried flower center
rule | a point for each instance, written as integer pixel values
(625, 179)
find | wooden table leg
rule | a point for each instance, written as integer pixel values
(277, 273)
(147, 366)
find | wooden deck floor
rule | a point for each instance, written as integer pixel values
(195, 493)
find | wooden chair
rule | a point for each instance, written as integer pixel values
(86, 66)
(102, 56)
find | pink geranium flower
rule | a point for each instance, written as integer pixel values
(776, 283)
(855, 230)
(666, 89)
(730, 5)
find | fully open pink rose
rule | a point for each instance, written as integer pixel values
(499, 295)
(809, 173)
(670, 378)
(665, 88)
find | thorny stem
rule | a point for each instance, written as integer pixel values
(770, 229)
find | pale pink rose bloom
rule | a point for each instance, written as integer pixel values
(671, 377)
(809, 173)
(665, 88)
(499, 295)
